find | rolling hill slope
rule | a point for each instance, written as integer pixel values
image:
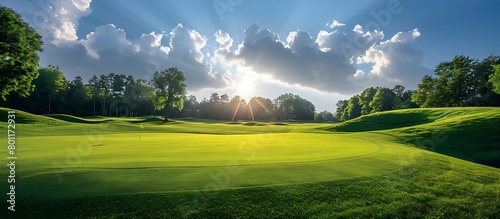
(471, 133)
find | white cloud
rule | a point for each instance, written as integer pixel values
(108, 49)
(334, 24)
(57, 20)
(394, 61)
(223, 39)
(404, 37)
(299, 61)
(328, 62)
(105, 38)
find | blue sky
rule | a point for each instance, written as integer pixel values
(264, 48)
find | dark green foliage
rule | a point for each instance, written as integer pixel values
(19, 44)
(169, 89)
(366, 98)
(353, 108)
(383, 100)
(495, 79)
(261, 109)
(373, 100)
(460, 82)
(325, 116)
(50, 86)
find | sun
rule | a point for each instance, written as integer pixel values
(246, 88)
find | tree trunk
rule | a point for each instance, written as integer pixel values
(49, 105)
(94, 105)
(103, 106)
(167, 108)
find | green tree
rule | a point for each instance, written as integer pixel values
(353, 109)
(366, 98)
(104, 86)
(339, 112)
(398, 91)
(324, 116)
(50, 82)
(455, 82)
(19, 44)
(260, 108)
(77, 95)
(406, 101)
(484, 94)
(190, 106)
(238, 108)
(426, 92)
(383, 100)
(293, 106)
(169, 89)
(495, 79)
(118, 84)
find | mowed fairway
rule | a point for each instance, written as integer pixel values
(116, 163)
(71, 167)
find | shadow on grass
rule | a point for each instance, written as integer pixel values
(74, 119)
(383, 121)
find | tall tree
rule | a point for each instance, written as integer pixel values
(339, 112)
(169, 88)
(383, 100)
(190, 106)
(293, 106)
(484, 94)
(19, 44)
(50, 82)
(425, 96)
(118, 84)
(94, 89)
(353, 109)
(495, 79)
(260, 108)
(398, 91)
(454, 84)
(367, 97)
(325, 116)
(77, 95)
(238, 108)
(104, 87)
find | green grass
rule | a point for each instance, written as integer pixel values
(74, 119)
(381, 166)
(468, 133)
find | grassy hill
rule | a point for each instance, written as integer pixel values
(388, 165)
(471, 133)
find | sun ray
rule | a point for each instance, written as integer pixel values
(251, 111)
(236, 111)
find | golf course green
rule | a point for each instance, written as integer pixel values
(412, 163)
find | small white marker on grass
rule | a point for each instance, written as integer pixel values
(141, 126)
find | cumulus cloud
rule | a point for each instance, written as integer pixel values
(394, 61)
(297, 61)
(107, 49)
(329, 61)
(335, 23)
(57, 20)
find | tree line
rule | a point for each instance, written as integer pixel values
(122, 95)
(460, 82)
(374, 99)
